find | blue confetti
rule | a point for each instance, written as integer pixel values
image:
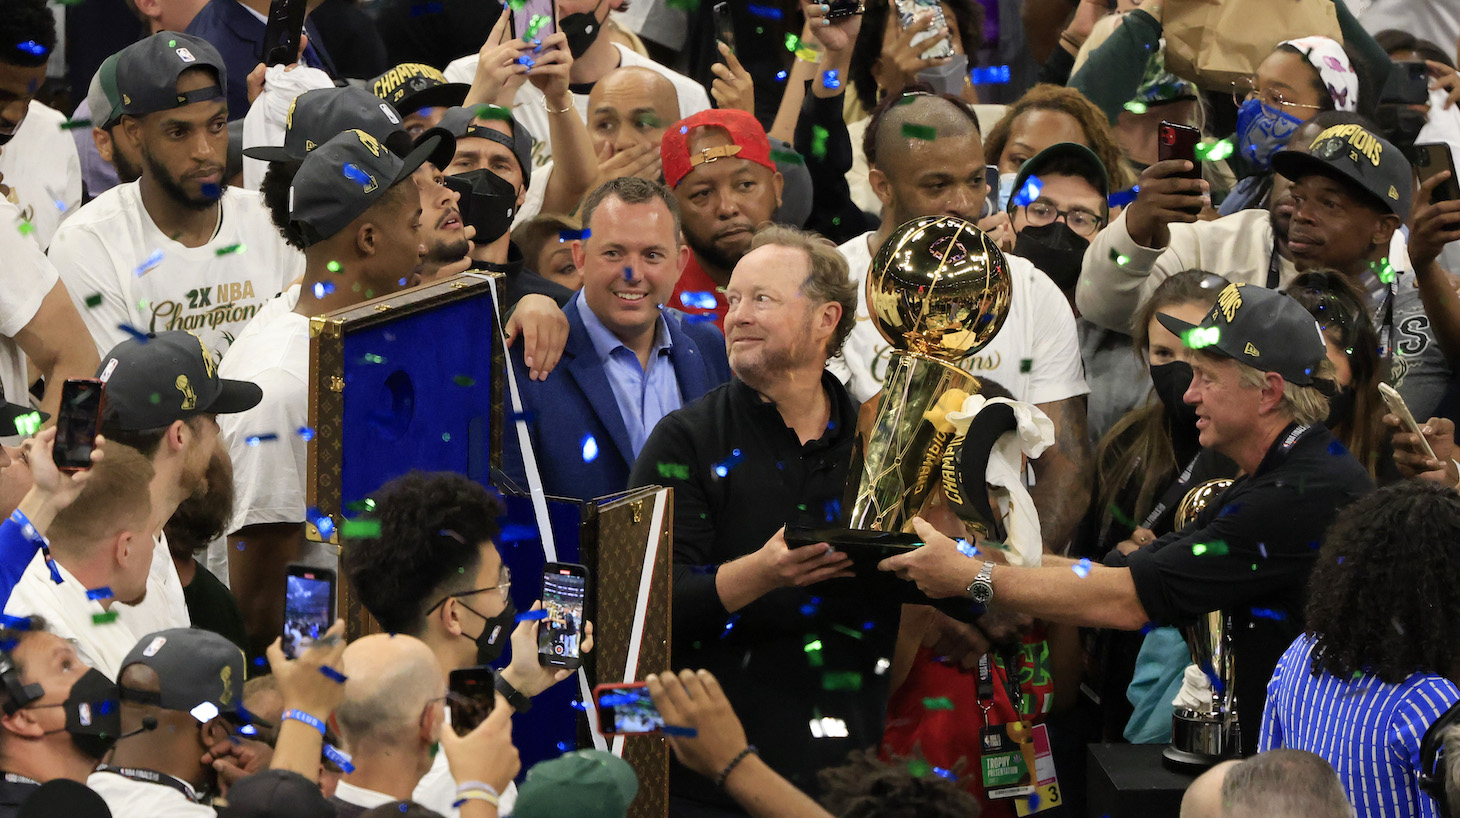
(1270, 613)
(532, 616)
(577, 705)
(699, 300)
(306, 433)
(722, 469)
(32, 48)
(564, 746)
(148, 265)
(1081, 568)
(354, 174)
(8, 645)
(1262, 549)
(671, 730)
(948, 774)
(248, 730)
(590, 449)
(1028, 193)
(628, 273)
(781, 76)
(257, 439)
(967, 549)
(573, 235)
(729, 625)
(212, 191)
(810, 608)
(15, 623)
(768, 12)
(1034, 802)
(989, 75)
(99, 593)
(260, 662)
(137, 335)
(1121, 198)
(829, 79)
(60, 205)
(333, 674)
(832, 510)
(322, 522)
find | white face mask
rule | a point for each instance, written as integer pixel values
(1006, 190)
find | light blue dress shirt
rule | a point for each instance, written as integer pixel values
(643, 397)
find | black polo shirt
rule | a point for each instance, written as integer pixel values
(1250, 555)
(792, 663)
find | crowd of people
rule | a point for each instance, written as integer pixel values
(1222, 382)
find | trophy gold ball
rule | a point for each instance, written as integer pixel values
(939, 287)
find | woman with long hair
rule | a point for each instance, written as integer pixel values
(1377, 663)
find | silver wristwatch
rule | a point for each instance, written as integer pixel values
(982, 587)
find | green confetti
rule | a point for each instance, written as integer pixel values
(28, 424)
(688, 6)
(155, 398)
(1120, 259)
(1215, 151)
(172, 43)
(793, 43)
(537, 22)
(73, 124)
(1199, 337)
(918, 767)
(446, 437)
(361, 529)
(333, 266)
(1383, 269)
(924, 132)
(93, 301)
(1136, 107)
(232, 248)
(1214, 549)
(841, 680)
(937, 703)
(464, 380)
(371, 358)
(818, 141)
(674, 470)
(789, 157)
(516, 4)
(1120, 516)
(1025, 365)
(26, 228)
(843, 629)
(104, 618)
(496, 112)
(813, 652)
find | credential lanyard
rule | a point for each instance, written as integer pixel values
(154, 777)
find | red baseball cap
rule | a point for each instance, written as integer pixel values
(746, 135)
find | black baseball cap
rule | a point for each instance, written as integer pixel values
(461, 123)
(198, 672)
(1359, 156)
(342, 178)
(412, 86)
(147, 72)
(276, 794)
(1071, 155)
(165, 377)
(1264, 329)
(315, 116)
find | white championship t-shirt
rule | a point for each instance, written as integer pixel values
(112, 254)
(26, 276)
(43, 171)
(69, 615)
(1039, 330)
(528, 110)
(268, 477)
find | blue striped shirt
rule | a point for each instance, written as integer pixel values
(1368, 730)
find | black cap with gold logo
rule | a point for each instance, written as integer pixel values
(1360, 156)
(342, 178)
(165, 377)
(1264, 329)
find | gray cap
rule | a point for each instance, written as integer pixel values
(147, 72)
(316, 116)
(461, 123)
(198, 671)
(344, 177)
(796, 193)
(102, 98)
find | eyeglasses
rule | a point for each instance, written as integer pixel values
(1245, 88)
(1083, 222)
(505, 582)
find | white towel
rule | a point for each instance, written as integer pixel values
(264, 123)
(1034, 434)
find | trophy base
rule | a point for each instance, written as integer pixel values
(1182, 761)
(1200, 742)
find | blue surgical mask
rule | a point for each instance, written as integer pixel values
(1263, 131)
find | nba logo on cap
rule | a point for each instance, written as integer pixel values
(186, 55)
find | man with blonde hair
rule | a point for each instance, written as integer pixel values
(1260, 359)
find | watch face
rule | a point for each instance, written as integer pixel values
(981, 592)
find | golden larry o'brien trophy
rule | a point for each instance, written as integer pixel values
(1203, 738)
(938, 291)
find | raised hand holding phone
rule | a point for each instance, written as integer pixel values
(53, 490)
(77, 421)
(309, 606)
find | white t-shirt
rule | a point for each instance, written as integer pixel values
(27, 277)
(437, 789)
(125, 797)
(528, 110)
(1040, 329)
(268, 478)
(109, 248)
(69, 615)
(164, 606)
(43, 170)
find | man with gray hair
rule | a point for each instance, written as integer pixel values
(1276, 784)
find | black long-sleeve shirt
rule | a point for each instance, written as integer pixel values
(792, 663)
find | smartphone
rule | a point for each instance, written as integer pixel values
(1179, 142)
(1398, 407)
(522, 19)
(907, 9)
(284, 31)
(1432, 159)
(564, 590)
(626, 709)
(77, 423)
(309, 606)
(846, 8)
(471, 695)
(1408, 84)
(724, 25)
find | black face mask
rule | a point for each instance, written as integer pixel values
(1400, 125)
(488, 203)
(1171, 382)
(495, 633)
(93, 714)
(1340, 407)
(1055, 249)
(582, 30)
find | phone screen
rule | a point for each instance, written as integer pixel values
(563, 590)
(627, 709)
(308, 604)
(724, 25)
(76, 423)
(283, 32)
(472, 695)
(531, 10)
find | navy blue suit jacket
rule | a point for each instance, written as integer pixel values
(239, 37)
(577, 400)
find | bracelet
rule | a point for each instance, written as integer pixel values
(476, 785)
(734, 762)
(301, 716)
(519, 701)
(474, 795)
(565, 109)
(339, 758)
